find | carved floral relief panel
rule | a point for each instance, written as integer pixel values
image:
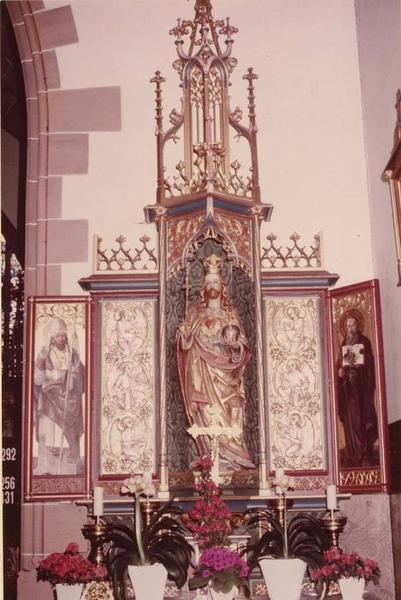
(294, 382)
(238, 230)
(128, 406)
(180, 231)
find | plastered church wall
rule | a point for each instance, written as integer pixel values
(379, 39)
(311, 148)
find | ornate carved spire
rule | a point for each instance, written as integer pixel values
(207, 121)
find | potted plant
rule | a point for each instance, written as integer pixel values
(68, 571)
(350, 571)
(219, 566)
(222, 569)
(159, 544)
(300, 540)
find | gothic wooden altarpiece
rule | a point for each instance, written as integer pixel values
(155, 323)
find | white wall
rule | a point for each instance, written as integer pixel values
(310, 113)
(379, 35)
(311, 145)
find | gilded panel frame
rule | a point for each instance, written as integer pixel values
(57, 403)
(310, 388)
(126, 384)
(359, 399)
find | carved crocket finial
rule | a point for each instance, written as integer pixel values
(203, 11)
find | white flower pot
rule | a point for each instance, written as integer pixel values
(69, 592)
(351, 588)
(148, 581)
(283, 577)
(215, 595)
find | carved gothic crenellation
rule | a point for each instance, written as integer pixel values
(121, 258)
(291, 257)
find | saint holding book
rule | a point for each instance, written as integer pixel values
(356, 394)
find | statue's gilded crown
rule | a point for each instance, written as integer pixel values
(213, 264)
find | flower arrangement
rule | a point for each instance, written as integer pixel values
(69, 567)
(161, 540)
(210, 524)
(223, 567)
(299, 537)
(209, 520)
(337, 565)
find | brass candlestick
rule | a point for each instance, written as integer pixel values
(95, 533)
(280, 507)
(333, 524)
(147, 510)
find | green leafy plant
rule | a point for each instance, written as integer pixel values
(299, 537)
(302, 537)
(161, 541)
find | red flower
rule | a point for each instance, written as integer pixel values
(338, 565)
(209, 520)
(69, 567)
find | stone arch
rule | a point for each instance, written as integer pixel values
(58, 140)
(58, 122)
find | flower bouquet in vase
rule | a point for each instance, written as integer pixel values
(219, 566)
(68, 571)
(148, 552)
(284, 547)
(350, 571)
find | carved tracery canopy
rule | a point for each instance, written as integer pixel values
(206, 117)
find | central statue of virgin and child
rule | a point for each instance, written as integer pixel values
(212, 355)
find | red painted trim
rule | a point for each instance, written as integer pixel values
(381, 401)
(28, 485)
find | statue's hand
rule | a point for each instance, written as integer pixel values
(184, 335)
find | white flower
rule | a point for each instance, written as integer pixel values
(283, 482)
(138, 484)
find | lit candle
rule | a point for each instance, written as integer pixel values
(331, 498)
(97, 501)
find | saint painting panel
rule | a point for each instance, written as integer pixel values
(358, 376)
(57, 388)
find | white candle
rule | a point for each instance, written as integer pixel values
(97, 501)
(331, 497)
(279, 476)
